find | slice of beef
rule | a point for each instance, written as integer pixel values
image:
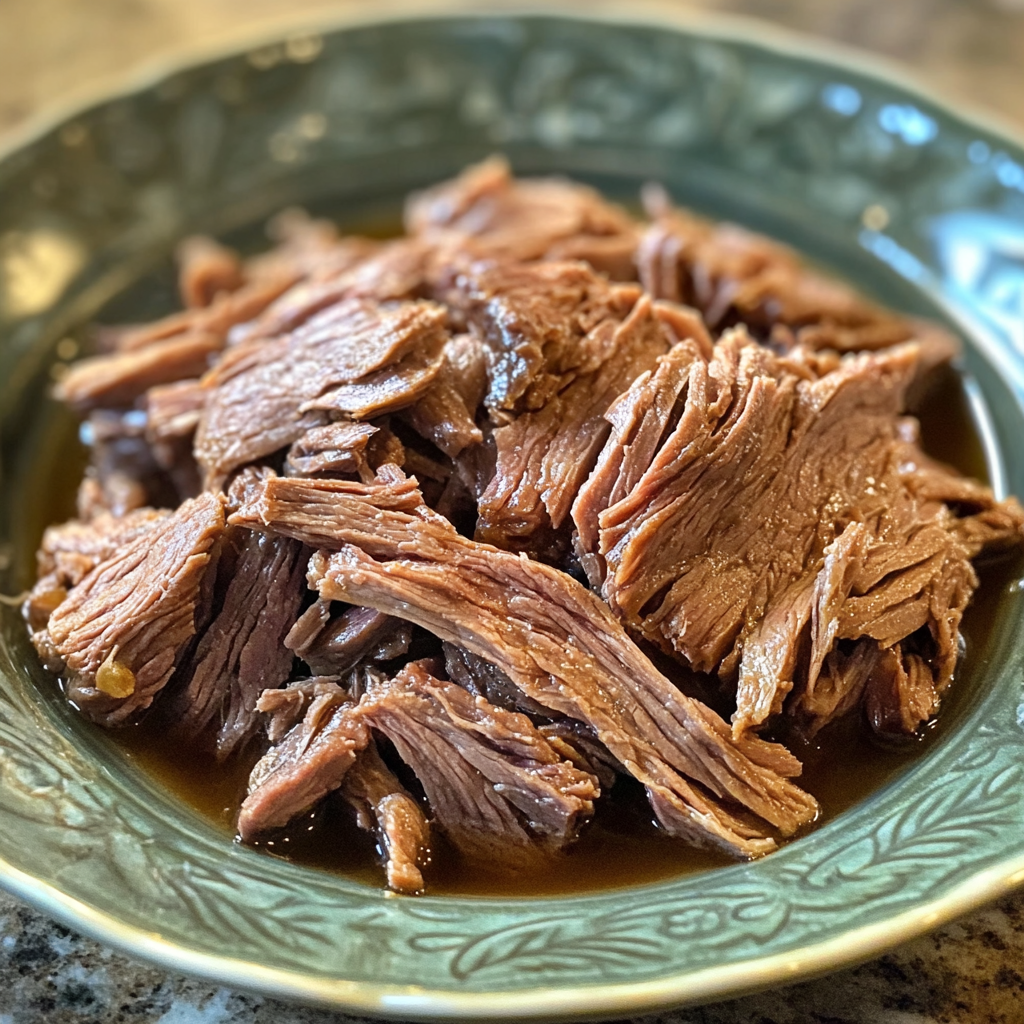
(305, 508)
(337, 448)
(384, 807)
(287, 705)
(358, 268)
(242, 651)
(207, 269)
(983, 523)
(557, 642)
(69, 552)
(386, 390)
(488, 213)
(491, 779)
(731, 274)
(121, 378)
(446, 413)
(639, 420)
(751, 513)
(173, 410)
(308, 764)
(116, 637)
(74, 549)
(334, 646)
(565, 345)
(540, 323)
(261, 389)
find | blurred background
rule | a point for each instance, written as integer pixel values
(49, 49)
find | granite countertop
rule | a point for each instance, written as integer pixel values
(971, 971)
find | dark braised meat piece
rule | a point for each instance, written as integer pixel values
(748, 514)
(242, 651)
(558, 643)
(446, 414)
(124, 472)
(265, 394)
(731, 274)
(334, 646)
(578, 743)
(119, 632)
(482, 679)
(383, 807)
(494, 784)
(308, 764)
(564, 344)
(485, 212)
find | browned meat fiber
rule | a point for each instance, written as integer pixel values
(341, 511)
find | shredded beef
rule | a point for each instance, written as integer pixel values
(287, 706)
(487, 213)
(69, 552)
(564, 344)
(117, 635)
(492, 780)
(446, 413)
(262, 392)
(213, 321)
(731, 274)
(173, 410)
(384, 807)
(207, 269)
(398, 461)
(750, 514)
(357, 268)
(557, 642)
(117, 380)
(242, 652)
(308, 764)
(332, 448)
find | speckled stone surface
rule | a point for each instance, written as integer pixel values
(971, 971)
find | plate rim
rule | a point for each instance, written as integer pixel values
(562, 1002)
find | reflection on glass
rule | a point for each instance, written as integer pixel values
(906, 121)
(982, 257)
(843, 99)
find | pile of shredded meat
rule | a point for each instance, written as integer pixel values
(409, 518)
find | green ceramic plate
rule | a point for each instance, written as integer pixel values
(917, 203)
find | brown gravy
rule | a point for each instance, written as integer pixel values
(621, 846)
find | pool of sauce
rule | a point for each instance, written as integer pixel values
(621, 845)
